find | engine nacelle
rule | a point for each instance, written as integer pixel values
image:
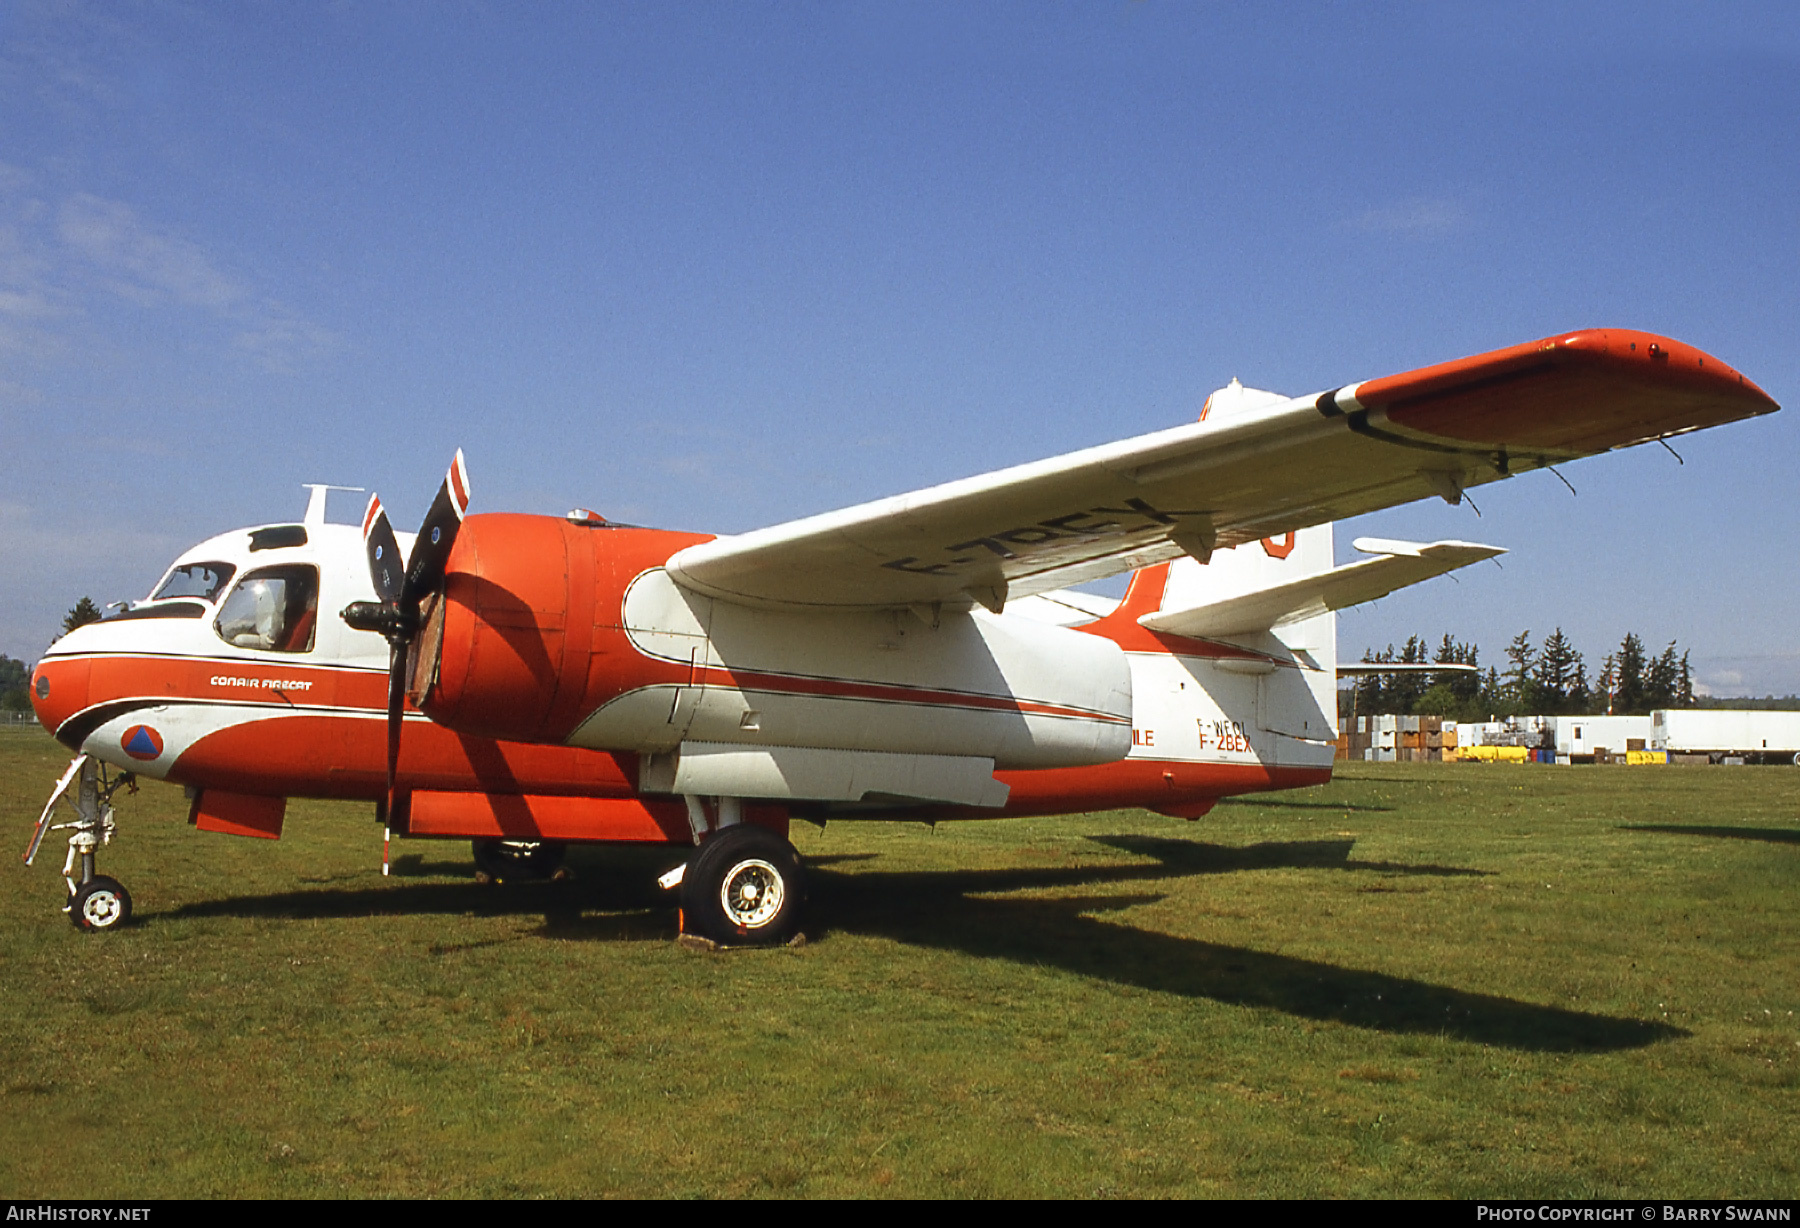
(556, 631)
(528, 623)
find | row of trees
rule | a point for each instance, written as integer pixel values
(15, 681)
(1550, 680)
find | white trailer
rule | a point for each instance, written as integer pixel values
(1718, 733)
(1579, 737)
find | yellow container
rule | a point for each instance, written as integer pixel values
(1491, 754)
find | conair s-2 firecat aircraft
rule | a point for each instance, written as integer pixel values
(528, 681)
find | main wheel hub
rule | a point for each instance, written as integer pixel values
(752, 893)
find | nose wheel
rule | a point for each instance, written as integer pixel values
(101, 903)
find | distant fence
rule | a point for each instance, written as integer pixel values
(11, 720)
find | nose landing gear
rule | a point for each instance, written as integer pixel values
(96, 902)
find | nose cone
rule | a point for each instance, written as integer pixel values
(59, 690)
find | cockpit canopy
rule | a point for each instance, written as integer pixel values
(195, 580)
(274, 609)
(261, 588)
(271, 609)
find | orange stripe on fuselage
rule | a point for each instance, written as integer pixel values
(849, 688)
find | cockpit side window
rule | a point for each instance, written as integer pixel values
(274, 609)
(202, 580)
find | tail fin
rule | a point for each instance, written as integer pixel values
(1168, 592)
(1255, 631)
(1268, 692)
(1248, 568)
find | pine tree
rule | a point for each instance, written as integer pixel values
(1405, 690)
(1371, 695)
(1580, 698)
(1520, 686)
(1556, 674)
(1662, 680)
(1454, 694)
(1628, 688)
(1492, 699)
(15, 679)
(1463, 684)
(84, 612)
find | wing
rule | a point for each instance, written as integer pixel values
(1400, 564)
(1262, 472)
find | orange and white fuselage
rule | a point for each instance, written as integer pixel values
(604, 672)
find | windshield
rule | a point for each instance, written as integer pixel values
(202, 580)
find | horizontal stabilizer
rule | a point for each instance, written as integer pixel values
(1398, 564)
(1362, 669)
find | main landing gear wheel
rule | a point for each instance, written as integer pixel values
(745, 887)
(504, 859)
(100, 904)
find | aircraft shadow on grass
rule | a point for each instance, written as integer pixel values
(1283, 804)
(1772, 835)
(953, 910)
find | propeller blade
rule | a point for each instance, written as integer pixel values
(400, 587)
(383, 551)
(395, 709)
(425, 570)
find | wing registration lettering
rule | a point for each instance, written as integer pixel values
(1070, 527)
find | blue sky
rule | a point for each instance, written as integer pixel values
(717, 266)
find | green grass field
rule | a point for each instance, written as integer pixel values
(1424, 980)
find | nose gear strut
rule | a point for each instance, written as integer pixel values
(96, 902)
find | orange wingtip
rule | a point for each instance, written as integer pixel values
(1576, 392)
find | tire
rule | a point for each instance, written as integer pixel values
(100, 904)
(504, 859)
(745, 887)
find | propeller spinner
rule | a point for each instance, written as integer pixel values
(402, 588)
